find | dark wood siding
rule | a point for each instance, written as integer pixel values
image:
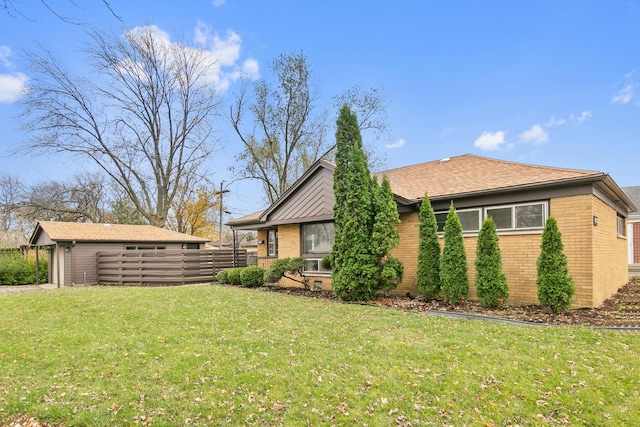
(85, 259)
(313, 200)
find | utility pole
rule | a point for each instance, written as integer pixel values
(221, 193)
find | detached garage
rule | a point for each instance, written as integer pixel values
(73, 247)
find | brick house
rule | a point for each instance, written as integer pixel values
(590, 208)
(633, 230)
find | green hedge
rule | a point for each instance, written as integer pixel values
(16, 270)
(252, 277)
(223, 277)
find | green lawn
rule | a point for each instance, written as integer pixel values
(212, 355)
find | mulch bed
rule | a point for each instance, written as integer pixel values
(622, 310)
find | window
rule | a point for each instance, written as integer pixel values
(272, 242)
(518, 217)
(191, 246)
(317, 238)
(317, 242)
(144, 248)
(621, 227)
(469, 219)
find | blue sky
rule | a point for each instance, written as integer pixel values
(542, 82)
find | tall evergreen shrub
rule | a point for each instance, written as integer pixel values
(454, 280)
(555, 286)
(366, 220)
(385, 236)
(491, 283)
(428, 275)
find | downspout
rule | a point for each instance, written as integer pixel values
(37, 267)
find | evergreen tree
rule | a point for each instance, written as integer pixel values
(555, 286)
(385, 236)
(354, 267)
(491, 283)
(366, 219)
(454, 280)
(428, 275)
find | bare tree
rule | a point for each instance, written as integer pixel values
(82, 199)
(145, 115)
(13, 228)
(283, 127)
(10, 8)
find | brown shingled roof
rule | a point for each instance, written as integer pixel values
(474, 174)
(89, 232)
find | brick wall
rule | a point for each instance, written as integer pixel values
(610, 257)
(575, 221)
(596, 256)
(636, 242)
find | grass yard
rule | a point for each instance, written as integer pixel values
(211, 355)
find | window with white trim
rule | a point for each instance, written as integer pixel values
(317, 242)
(469, 219)
(272, 242)
(522, 216)
(622, 230)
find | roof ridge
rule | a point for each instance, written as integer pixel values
(490, 159)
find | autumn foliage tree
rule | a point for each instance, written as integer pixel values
(428, 275)
(491, 283)
(555, 286)
(454, 279)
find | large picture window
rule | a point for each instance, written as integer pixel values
(317, 242)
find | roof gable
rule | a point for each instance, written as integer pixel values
(90, 232)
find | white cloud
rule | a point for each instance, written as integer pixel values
(222, 51)
(536, 134)
(5, 53)
(624, 96)
(555, 122)
(398, 144)
(12, 87)
(225, 53)
(218, 3)
(582, 117)
(490, 141)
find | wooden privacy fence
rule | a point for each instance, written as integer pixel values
(166, 266)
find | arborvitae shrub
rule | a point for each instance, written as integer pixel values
(223, 277)
(428, 275)
(454, 280)
(366, 219)
(252, 277)
(233, 274)
(354, 265)
(491, 283)
(555, 286)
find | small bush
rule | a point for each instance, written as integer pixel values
(223, 277)
(252, 277)
(233, 274)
